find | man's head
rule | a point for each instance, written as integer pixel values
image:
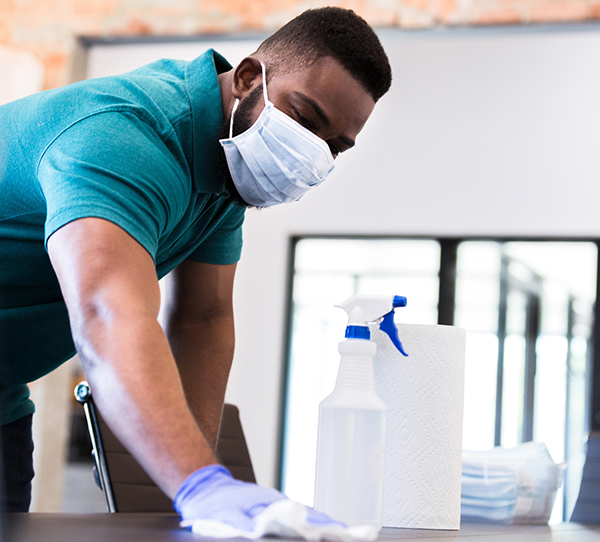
(329, 32)
(325, 69)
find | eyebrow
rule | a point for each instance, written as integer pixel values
(321, 114)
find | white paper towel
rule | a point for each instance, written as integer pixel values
(425, 394)
(284, 519)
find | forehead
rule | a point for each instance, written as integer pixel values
(337, 92)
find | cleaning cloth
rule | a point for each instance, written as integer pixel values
(284, 519)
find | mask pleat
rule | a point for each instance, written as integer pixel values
(289, 132)
(273, 169)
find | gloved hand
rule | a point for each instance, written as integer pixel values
(212, 493)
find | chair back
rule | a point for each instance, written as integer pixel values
(125, 484)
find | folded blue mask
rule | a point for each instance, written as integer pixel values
(490, 488)
(516, 485)
(276, 160)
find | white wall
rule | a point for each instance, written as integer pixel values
(485, 132)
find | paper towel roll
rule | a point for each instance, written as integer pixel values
(425, 394)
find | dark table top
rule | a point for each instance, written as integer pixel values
(163, 528)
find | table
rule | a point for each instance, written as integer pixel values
(164, 528)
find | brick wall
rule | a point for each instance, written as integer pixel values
(48, 28)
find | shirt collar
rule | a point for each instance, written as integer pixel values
(207, 117)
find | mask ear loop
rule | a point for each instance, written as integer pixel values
(235, 106)
(264, 74)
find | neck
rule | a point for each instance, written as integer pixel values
(227, 98)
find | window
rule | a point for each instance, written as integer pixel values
(527, 307)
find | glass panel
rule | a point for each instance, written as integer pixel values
(480, 391)
(514, 370)
(562, 275)
(568, 270)
(477, 297)
(577, 417)
(327, 272)
(551, 377)
(550, 396)
(512, 396)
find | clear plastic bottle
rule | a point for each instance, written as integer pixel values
(351, 441)
(353, 419)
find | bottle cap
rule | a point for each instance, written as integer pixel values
(358, 332)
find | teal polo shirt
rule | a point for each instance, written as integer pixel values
(139, 150)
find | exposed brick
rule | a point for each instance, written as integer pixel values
(445, 8)
(426, 12)
(414, 18)
(420, 5)
(7, 13)
(251, 14)
(48, 27)
(559, 10)
(95, 8)
(380, 16)
(595, 11)
(135, 26)
(56, 62)
(499, 16)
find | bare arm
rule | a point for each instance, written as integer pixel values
(199, 325)
(111, 290)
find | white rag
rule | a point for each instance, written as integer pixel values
(284, 519)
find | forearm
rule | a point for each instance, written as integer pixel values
(127, 359)
(110, 287)
(204, 352)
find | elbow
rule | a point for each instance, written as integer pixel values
(98, 322)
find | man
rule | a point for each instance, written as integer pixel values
(109, 184)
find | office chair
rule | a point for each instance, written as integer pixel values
(125, 484)
(587, 506)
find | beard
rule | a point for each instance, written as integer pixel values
(243, 120)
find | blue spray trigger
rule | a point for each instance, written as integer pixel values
(389, 328)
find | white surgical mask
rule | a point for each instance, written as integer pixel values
(276, 160)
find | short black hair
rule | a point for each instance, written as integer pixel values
(334, 32)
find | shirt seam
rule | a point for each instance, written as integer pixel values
(110, 109)
(180, 118)
(134, 81)
(5, 218)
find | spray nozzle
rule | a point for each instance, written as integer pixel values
(364, 309)
(399, 301)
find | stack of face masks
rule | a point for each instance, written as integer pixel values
(516, 485)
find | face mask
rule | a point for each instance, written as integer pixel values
(516, 485)
(276, 160)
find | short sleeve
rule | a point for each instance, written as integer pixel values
(224, 244)
(114, 166)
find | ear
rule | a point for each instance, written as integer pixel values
(246, 77)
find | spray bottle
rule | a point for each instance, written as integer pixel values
(353, 419)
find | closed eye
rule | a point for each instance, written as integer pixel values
(309, 125)
(304, 121)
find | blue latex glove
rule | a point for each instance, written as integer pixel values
(212, 493)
